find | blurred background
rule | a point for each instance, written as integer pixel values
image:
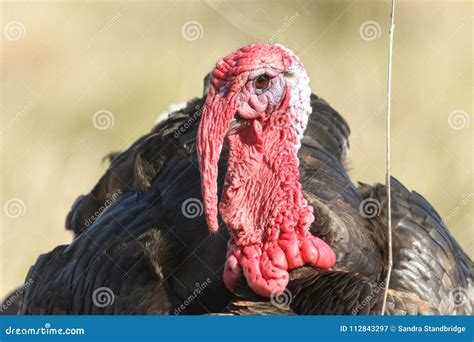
(81, 79)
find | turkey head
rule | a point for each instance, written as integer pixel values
(259, 100)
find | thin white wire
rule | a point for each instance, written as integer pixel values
(388, 176)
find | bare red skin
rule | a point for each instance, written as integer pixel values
(262, 202)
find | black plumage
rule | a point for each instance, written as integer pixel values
(153, 258)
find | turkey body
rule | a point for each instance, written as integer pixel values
(151, 249)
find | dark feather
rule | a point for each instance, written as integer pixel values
(154, 259)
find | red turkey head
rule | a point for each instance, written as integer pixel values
(259, 99)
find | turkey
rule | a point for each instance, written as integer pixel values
(270, 157)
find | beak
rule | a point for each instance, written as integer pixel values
(215, 121)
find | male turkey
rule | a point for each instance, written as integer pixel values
(286, 200)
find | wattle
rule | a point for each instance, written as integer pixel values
(264, 209)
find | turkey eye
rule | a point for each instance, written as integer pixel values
(262, 82)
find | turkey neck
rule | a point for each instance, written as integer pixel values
(262, 195)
